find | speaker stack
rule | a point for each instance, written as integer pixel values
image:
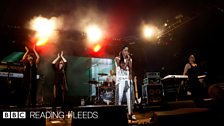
(152, 89)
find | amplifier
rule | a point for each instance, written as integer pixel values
(152, 93)
(151, 80)
(152, 75)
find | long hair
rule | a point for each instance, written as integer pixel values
(58, 63)
(121, 55)
(33, 58)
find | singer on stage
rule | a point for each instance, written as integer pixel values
(60, 82)
(123, 64)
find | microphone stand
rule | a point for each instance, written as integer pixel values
(131, 98)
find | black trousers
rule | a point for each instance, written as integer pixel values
(59, 99)
(197, 93)
(31, 95)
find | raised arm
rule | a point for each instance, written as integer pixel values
(123, 65)
(62, 56)
(56, 59)
(37, 55)
(116, 59)
(25, 54)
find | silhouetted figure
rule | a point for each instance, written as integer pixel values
(30, 76)
(59, 65)
(216, 107)
(217, 94)
(195, 90)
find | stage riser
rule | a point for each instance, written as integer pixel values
(182, 117)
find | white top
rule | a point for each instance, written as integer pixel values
(121, 74)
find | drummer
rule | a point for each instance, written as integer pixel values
(111, 78)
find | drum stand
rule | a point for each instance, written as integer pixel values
(97, 99)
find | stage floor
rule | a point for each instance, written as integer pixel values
(143, 118)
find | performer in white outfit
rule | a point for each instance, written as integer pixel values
(123, 64)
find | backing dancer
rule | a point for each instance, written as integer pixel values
(123, 64)
(30, 75)
(59, 65)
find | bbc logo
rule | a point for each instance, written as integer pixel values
(14, 115)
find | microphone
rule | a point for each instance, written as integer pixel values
(129, 56)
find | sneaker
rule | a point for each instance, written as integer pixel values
(189, 93)
(132, 117)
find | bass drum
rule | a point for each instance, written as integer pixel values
(107, 95)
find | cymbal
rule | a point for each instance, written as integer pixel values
(102, 74)
(93, 82)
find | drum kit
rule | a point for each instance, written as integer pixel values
(105, 91)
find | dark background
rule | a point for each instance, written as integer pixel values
(202, 36)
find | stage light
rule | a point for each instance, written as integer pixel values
(44, 29)
(148, 32)
(43, 26)
(94, 33)
(41, 41)
(97, 48)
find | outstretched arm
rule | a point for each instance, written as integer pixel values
(25, 54)
(37, 55)
(62, 56)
